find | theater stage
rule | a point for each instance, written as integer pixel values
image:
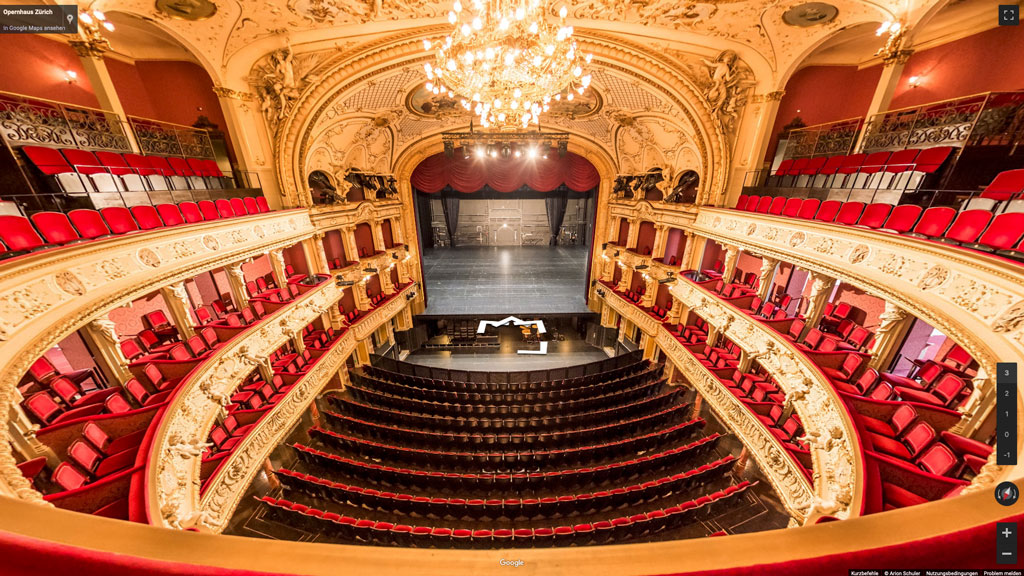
(485, 280)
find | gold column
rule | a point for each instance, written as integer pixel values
(180, 308)
(894, 323)
(316, 258)
(649, 344)
(100, 336)
(767, 274)
(90, 52)
(660, 240)
(396, 231)
(378, 235)
(692, 255)
(651, 284)
(732, 255)
(236, 281)
(363, 350)
(893, 61)
(277, 267)
(821, 289)
(634, 231)
(348, 240)
(626, 280)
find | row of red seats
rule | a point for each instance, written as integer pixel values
(372, 449)
(980, 230)
(936, 385)
(21, 235)
(601, 532)
(572, 437)
(612, 471)
(535, 379)
(255, 397)
(512, 508)
(863, 170)
(444, 422)
(544, 385)
(95, 455)
(628, 388)
(80, 171)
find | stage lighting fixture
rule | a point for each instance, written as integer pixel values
(394, 255)
(480, 152)
(531, 152)
(370, 270)
(604, 246)
(517, 153)
(641, 267)
(668, 280)
(344, 283)
(506, 151)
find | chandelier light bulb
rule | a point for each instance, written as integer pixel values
(426, 45)
(99, 15)
(108, 26)
(85, 18)
(511, 55)
(569, 97)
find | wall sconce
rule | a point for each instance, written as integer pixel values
(70, 76)
(914, 81)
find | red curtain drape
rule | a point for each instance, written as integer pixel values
(504, 174)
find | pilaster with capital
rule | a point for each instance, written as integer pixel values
(690, 252)
(765, 276)
(634, 232)
(100, 336)
(180, 307)
(236, 282)
(316, 257)
(821, 289)
(626, 279)
(894, 322)
(660, 240)
(348, 241)
(378, 236)
(651, 291)
(277, 266)
(732, 255)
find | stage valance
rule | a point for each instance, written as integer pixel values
(504, 174)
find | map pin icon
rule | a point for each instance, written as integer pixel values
(70, 18)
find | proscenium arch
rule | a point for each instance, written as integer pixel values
(295, 134)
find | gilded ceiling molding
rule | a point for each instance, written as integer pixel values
(976, 300)
(225, 92)
(172, 468)
(230, 483)
(48, 296)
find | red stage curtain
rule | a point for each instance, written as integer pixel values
(504, 174)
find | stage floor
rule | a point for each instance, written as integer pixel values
(484, 280)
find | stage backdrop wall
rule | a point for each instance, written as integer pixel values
(496, 222)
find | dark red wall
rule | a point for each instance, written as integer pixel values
(827, 93)
(645, 238)
(364, 238)
(35, 66)
(170, 91)
(978, 63)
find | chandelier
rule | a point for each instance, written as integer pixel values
(506, 61)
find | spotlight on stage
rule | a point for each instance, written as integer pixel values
(641, 267)
(370, 270)
(668, 280)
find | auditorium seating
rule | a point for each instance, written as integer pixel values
(899, 170)
(997, 229)
(77, 171)
(19, 235)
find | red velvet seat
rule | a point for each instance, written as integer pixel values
(45, 409)
(898, 422)
(86, 163)
(831, 165)
(913, 442)
(967, 227)
(829, 210)
(170, 214)
(261, 202)
(115, 164)
(784, 167)
(56, 228)
(238, 207)
(902, 161)
(209, 210)
(809, 208)
(948, 392)
(792, 207)
(147, 217)
(142, 396)
(751, 205)
(1005, 186)
(68, 477)
(875, 215)
(1005, 232)
(89, 224)
(813, 166)
(51, 163)
(851, 164)
(902, 218)
(741, 202)
(224, 208)
(929, 160)
(154, 178)
(190, 212)
(933, 222)
(119, 220)
(849, 213)
(938, 459)
(875, 162)
(18, 235)
(251, 206)
(763, 205)
(778, 204)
